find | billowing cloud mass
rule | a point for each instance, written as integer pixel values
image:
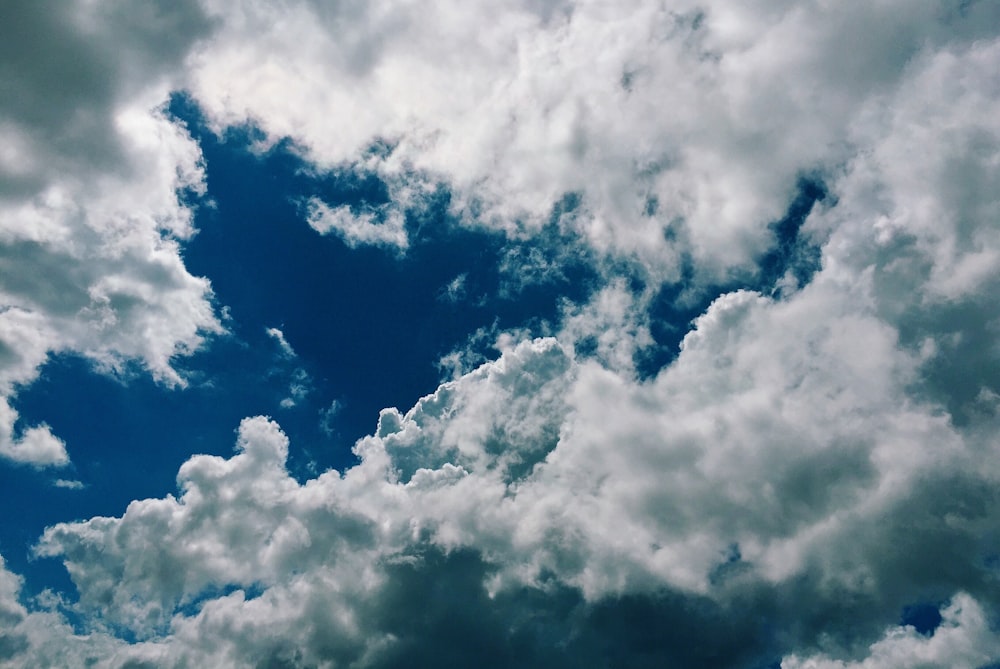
(91, 211)
(817, 461)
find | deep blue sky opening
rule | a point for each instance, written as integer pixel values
(925, 617)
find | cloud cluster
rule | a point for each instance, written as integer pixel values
(965, 640)
(90, 209)
(539, 486)
(694, 118)
(813, 462)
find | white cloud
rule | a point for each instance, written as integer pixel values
(773, 432)
(963, 641)
(42, 638)
(613, 323)
(363, 228)
(328, 417)
(90, 220)
(455, 290)
(298, 389)
(35, 445)
(279, 336)
(916, 217)
(299, 383)
(822, 460)
(668, 129)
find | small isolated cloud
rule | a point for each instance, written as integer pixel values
(69, 484)
(385, 227)
(299, 383)
(35, 446)
(328, 415)
(298, 389)
(455, 290)
(279, 337)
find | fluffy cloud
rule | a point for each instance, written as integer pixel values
(917, 217)
(43, 637)
(659, 116)
(90, 212)
(778, 467)
(811, 463)
(965, 640)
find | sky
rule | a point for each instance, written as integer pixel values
(523, 333)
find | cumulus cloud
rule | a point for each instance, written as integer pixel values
(666, 131)
(965, 640)
(35, 445)
(812, 463)
(796, 493)
(611, 326)
(918, 213)
(90, 213)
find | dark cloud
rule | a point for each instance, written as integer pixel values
(64, 72)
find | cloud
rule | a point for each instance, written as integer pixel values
(922, 226)
(35, 446)
(356, 229)
(964, 641)
(612, 327)
(666, 131)
(812, 463)
(279, 336)
(69, 484)
(43, 637)
(298, 389)
(455, 290)
(90, 212)
(299, 384)
(776, 468)
(328, 417)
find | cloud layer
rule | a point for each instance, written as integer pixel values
(538, 487)
(816, 459)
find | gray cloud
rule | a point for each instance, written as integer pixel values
(66, 72)
(638, 536)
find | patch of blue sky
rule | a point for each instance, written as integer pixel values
(924, 617)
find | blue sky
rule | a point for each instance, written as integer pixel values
(553, 334)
